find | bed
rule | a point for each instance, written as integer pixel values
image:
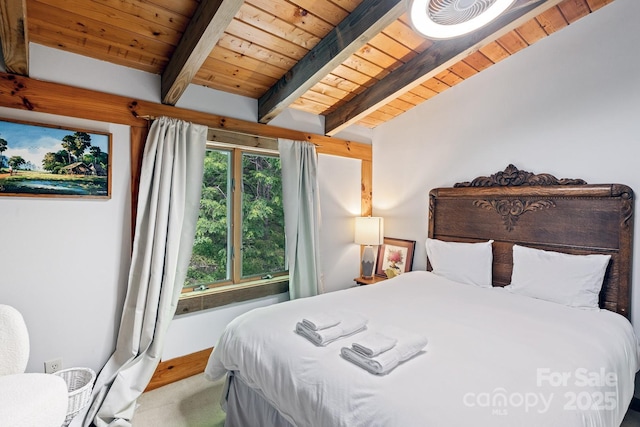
(495, 357)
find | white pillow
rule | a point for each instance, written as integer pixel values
(572, 280)
(468, 263)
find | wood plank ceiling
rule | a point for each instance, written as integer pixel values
(354, 61)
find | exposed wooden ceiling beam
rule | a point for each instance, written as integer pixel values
(14, 37)
(441, 55)
(366, 21)
(205, 28)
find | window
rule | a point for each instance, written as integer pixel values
(240, 231)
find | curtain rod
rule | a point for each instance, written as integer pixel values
(151, 118)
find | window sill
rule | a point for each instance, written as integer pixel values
(191, 302)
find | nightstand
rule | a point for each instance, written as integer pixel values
(362, 281)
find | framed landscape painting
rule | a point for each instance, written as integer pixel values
(39, 160)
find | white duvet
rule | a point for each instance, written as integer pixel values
(493, 359)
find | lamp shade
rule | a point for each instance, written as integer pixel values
(369, 230)
(443, 19)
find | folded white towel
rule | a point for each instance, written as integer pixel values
(318, 321)
(408, 345)
(373, 343)
(350, 323)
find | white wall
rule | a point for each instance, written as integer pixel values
(55, 65)
(64, 262)
(197, 331)
(568, 105)
(340, 201)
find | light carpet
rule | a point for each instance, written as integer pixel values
(192, 402)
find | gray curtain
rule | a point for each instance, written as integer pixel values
(301, 201)
(168, 205)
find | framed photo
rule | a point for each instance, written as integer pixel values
(39, 160)
(395, 256)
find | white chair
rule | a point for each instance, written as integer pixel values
(28, 400)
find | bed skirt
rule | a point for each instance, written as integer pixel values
(246, 407)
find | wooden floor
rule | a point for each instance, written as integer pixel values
(179, 368)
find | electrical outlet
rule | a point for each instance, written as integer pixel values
(53, 365)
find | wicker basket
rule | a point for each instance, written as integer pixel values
(79, 383)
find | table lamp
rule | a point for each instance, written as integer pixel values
(369, 231)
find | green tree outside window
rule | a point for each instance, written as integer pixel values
(261, 251)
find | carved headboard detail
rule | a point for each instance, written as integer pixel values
(511, 209)
(544, 212)
(513, 177)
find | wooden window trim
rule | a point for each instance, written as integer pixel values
(194, 301)
(236, 215)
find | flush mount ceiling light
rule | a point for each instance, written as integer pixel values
(444, 19)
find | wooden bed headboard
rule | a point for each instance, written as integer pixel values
(543, 212)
